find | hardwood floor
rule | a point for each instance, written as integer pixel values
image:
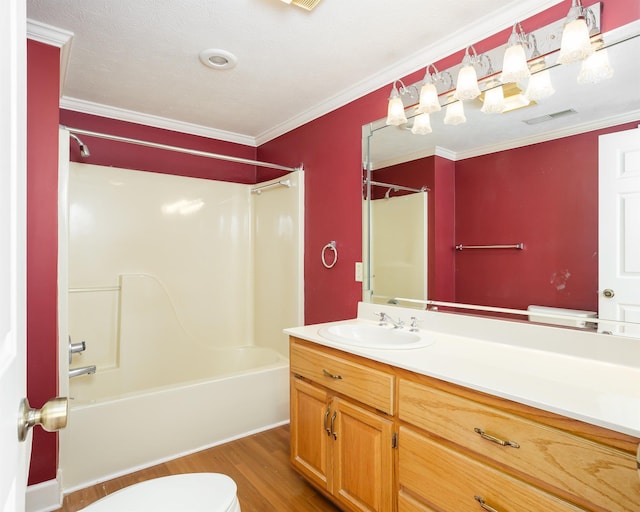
(259, 464)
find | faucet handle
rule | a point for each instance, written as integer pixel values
(382, 316)
(414, 324)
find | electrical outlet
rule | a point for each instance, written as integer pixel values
(359, 271)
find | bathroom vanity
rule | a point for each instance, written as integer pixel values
(480, 417)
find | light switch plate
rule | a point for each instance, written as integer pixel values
(359, 271)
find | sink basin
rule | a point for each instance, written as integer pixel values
(373, 336)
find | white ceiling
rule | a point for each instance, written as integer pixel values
(138, 60)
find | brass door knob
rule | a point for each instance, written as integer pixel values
(52, 416)
(608, 293)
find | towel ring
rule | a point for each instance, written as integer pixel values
(331, 246)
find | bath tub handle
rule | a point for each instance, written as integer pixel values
(327, 373)
(326, 420)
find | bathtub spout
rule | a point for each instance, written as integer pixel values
(74, 372)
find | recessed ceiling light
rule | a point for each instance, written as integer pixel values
(218, 59)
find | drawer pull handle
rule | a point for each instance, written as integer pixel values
(493, 439)
(327, 373)
(326, 421)
(484, 505)
(333, 420)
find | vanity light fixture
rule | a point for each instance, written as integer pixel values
(575, 44)
(514, 65)
(522, 64)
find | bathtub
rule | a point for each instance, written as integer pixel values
(109, 437)
(158, 392)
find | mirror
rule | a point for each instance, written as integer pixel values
(515, 192)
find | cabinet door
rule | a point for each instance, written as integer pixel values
(362, 458)
(309, 416)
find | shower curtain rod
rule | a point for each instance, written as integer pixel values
(195, 152)
(398, 187)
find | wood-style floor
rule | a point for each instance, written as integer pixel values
(259, 464)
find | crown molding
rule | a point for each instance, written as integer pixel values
(481, 29)
(627, 117)
(120, 114)
(53, 36)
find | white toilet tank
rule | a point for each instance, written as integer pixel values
(189, 492)
(572, 317)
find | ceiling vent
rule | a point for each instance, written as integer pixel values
(305, 4)
(549, 117)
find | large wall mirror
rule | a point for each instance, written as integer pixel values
(504, 208)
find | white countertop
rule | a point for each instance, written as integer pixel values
(582, 375)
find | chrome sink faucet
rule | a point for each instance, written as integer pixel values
(384, 319)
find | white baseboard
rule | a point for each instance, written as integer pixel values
(43, 497)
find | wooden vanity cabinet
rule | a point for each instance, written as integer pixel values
(340, 441)
(458, 450)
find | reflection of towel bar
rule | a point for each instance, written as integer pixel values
(95, 289)
(460, 247)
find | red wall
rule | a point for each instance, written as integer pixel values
(546, 196)
(330, 148)
(43, 72)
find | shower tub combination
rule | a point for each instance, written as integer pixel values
(179, 364)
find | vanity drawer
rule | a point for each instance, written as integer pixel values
(450, 481)
(587, 471)
(363, 383)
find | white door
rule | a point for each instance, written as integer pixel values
(619, 231)
(13, 468)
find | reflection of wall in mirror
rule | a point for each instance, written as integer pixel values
(545, 195)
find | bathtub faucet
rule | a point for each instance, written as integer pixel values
(74, 372)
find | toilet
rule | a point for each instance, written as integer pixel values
(190, 492)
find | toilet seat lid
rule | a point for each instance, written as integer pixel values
(189, 492)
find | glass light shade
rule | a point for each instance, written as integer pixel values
(539, 86)
(493, 101)
(395, 110)
(514, 64)
(421, 125)
(455, 114)
(575, 44)
(467, 85)
(595, 68)
(429, 99)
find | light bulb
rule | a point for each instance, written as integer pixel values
(467, 85)
(395, 109)
(429, 99)
(575, 44)
(539, 86)
(514, 65)
(595, 68)
(455, 114)
(493, 101)
(421, 125)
